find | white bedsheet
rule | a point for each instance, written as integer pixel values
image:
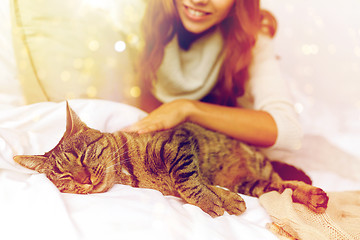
(32, 208)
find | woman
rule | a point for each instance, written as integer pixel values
(211, 62)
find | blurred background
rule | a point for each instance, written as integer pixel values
(318, 43)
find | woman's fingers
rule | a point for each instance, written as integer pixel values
(165, 117)
(144, 126)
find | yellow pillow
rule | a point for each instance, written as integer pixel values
(69, 49)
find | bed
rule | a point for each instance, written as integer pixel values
(32, 208)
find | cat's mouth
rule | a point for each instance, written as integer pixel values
(90, 182)
(99, 184)
(81, 183)
(99, 188)
(74, 187)
(85, 186)
(78, 188)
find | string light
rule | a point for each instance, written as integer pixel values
(120, 46)
(299, 108)
(94, 45)
(310, 49)
(135, 92)
(133, 39)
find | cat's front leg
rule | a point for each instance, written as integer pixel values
(185, 175)
(191, 187)
(198, 194)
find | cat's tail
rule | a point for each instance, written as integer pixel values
(289, 173)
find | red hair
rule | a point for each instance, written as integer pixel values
(239, 29)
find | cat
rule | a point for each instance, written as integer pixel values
(204, 168)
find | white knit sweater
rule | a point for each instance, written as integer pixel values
(193, 73)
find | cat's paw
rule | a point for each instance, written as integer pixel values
(318, 200)
(212, 206)
(234, 204)
(314, 198)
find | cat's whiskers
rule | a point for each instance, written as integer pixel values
(116, 164)
(119, 148)
(113, 156)
(122, 161)
(118, 156)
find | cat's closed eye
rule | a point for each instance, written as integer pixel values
(65, 176)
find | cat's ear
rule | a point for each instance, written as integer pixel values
(73, 122)
(33, 162)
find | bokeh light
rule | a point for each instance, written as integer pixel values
(135, 91)
(120, 46)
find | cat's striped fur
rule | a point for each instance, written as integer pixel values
(188, 161)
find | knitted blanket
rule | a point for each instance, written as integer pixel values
(295, 221)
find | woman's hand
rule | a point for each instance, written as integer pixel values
(167, 116)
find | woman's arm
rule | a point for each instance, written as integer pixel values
(251, 126)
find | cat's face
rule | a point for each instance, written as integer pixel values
(79, 163)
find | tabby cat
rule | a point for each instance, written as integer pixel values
(187, 161)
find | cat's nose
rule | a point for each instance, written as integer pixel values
(83, 177)
(85, 180)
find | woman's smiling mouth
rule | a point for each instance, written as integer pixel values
(199, 16)
(195, 14)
